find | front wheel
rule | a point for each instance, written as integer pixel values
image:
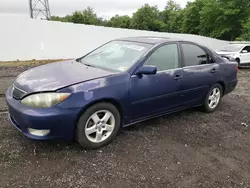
(98, 125)
(213, 98)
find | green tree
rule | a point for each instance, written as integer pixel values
(61, 19)
(222, 18)
(147, 18)
(245, 35)
(86, 16)
(55, 18)
(120, 22)
(172, 16)
(234, 12)
(191, 17)
(211, 21)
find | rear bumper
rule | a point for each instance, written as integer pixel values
(231, 86)
(60, 121)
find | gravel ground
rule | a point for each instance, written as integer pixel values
(3, 106)
(185, 149)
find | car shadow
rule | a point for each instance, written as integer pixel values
(156, 123)
(241, 67)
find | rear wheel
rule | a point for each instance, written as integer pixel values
(213, 98)
(98, 125)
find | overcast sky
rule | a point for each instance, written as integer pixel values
(104, 8)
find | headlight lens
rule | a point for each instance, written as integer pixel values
(231, 58)
(231, 55)
(44, 100)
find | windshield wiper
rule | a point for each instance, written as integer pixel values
(87, 64)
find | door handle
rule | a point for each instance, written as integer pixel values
(177, 77)
(214, 70)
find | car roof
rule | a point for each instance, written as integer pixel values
(151, 39)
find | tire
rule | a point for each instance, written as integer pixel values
(207, 106)
(90, 132)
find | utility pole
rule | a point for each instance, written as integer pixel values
(39, 9)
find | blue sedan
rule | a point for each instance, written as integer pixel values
(122, 82)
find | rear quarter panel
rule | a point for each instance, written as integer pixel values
(228, 72)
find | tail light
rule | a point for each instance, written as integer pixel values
(237, 67)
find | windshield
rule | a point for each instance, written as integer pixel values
(116, 55)
(232, 48)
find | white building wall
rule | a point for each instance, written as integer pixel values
(26, 39)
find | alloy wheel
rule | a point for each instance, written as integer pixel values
(100, 126)
(214, 98)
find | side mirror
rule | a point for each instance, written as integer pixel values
(148, 69)
(244, 51)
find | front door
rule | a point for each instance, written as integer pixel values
(199, 74)
(245, 56)
(153, 94)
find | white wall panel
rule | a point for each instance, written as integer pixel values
(26, 39)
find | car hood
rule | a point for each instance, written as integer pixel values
(225, 53)
(54, 76)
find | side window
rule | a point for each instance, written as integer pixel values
(247, 48)
(165, 57)
(194, 55)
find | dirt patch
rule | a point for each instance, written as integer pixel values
(27, 63)
(5, 82)
(3, 106)
(185, 149)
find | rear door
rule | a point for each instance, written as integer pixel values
(199, 73)
(245, 57)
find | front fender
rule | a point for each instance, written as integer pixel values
(113, 88)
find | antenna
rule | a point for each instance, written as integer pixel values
(39, 9)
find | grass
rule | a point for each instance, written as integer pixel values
(18, 63)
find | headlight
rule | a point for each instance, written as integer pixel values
(230, 58)
(44, 100)
(231, 55)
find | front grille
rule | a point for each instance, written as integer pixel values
(17, 93)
